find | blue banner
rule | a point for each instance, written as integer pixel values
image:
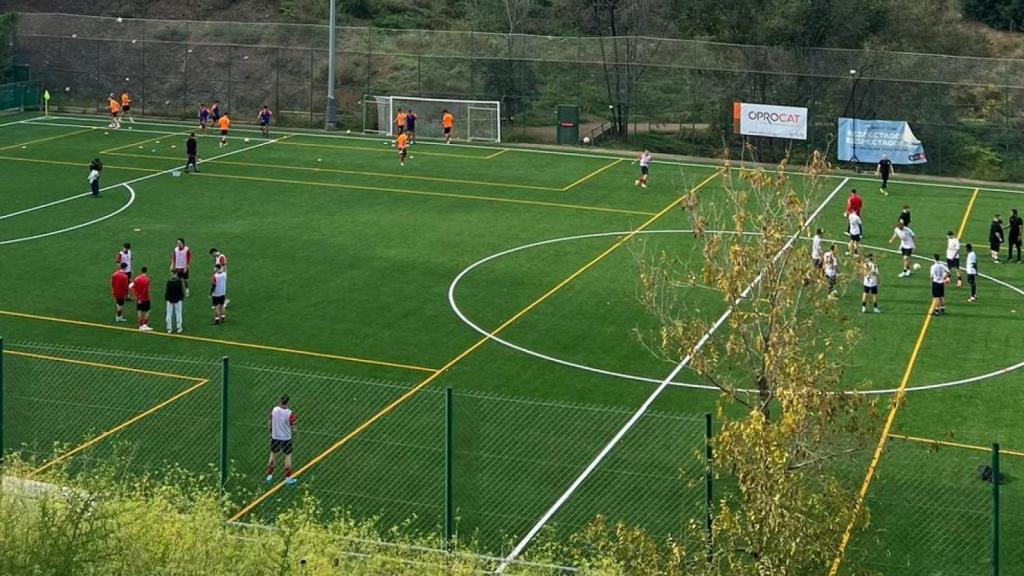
(870, 139)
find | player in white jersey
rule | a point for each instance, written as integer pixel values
(282, 426)
(972, 271)
(856, 230)
(220, 258)
(181, 262)
(908, 242)
(940, 277)
(218, 294)
(870, 272)
(831, 264)
(816, 248)
(125, 257)
(953, 257)
(645, 168)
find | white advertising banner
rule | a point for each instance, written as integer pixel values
(767, 120)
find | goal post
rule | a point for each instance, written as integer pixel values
(478, 120)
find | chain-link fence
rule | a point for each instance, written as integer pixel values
(482, 467)
(935, 509)
(967, 110)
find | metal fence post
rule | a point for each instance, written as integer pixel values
(995, 509)
(224, 422)
(449, 527)
(708, 485)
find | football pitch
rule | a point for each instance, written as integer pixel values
(501, 272)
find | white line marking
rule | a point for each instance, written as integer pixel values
(41, 206)
(453, 304)
(654, 395)
(123, 208)
(131, 200)
(134, 130)
(592, 155)
(25, 121)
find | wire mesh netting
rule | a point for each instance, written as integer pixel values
(965, 109)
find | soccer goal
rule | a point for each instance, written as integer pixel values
(474, 119)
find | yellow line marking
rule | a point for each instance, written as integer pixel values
(891, 418)
(353, 172)
(78, 164)
(416, 389)
(387, 150)
(47, 139)
(222, 342)
(96, 440)
(496, 154)
(423, 193)
(101, 365)
(594, 173)
(954, 444)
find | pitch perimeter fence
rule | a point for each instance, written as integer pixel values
(493, 462)
(966, 110)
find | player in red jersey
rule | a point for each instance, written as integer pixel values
(142, 303)
(119, 289)
(181, 262)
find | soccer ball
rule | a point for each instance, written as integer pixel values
(246, 140)
(917, 265)
(119, 19)
(586, 139)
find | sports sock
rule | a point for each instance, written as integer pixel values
(270, 470)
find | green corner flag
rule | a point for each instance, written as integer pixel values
(46, 95)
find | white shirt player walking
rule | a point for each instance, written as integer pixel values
(908, 242)
(181, 261)
(645, 168)
(972, 272)
(125, 257)
(218, 294)
(856, 230)
(953, 256)
(282, 426)
(870, 284)
(939, 273)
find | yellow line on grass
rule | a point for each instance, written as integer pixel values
(424, 193)
(141, 142)
(101, 365)
(954, 444)
(96, 440)
(894, 407)
(496, 154)
(78, 164)
(352, 172)
(222, 342)
(416, 389)
(594, 173)
(47, 139)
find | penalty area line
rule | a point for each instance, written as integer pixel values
(603, 453)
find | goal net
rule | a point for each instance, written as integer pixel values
(474, 119)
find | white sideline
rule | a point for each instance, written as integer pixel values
(25, 121)
(126, 184)
(654, 396)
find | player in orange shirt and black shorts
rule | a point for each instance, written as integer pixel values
(115, 111)
(126, 105)
(402, 142)
(447, 122)
(400, 121)
(224, 123)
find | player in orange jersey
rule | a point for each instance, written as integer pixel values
(447, 122)
(126, 105)
(115, 111)
(224, 123)
(402, 142)
(400, 119)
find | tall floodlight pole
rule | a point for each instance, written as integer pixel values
(331, 114)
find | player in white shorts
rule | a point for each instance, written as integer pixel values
(870, 284)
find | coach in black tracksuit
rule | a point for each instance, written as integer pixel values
(191, 147)
(1015, 227)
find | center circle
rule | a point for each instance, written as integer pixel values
(453, 303)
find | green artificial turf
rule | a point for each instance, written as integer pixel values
(340, 268)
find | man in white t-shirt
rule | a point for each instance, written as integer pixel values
(282, 426)
(816, 248)
(940, 277)
(953, 257)
(972, 271)
(870, 271)
(856, 229)
(830, 261)
(908, 242)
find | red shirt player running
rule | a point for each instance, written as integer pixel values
(181, 261)
(119, 289)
